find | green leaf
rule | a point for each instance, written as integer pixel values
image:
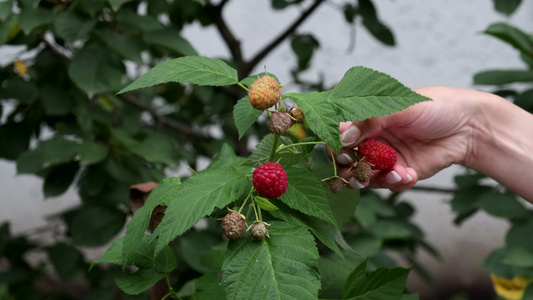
(58, 150)
(343, 204)
(520, 257)
(320, 115)
(157, 148)
(70, 27)
(500, 77)
(91, 152)
(280, 267)
(171, 40)
(506, 7)
(244, 115)
(94, 225)
(370, 20)
(31, 18)
(226, 158)
(393, 229)
(67, 260)
(18, 134)
(305, 193)
(112, 255)
(30, 162)
(194, 245)
(95, 70)
(502, 205)
(196, 198)
(116, 4)
(129, 47)
(6, 8)
(513, 36)
(382, 284)
(364, 93)
(56, 101)
(518, 235)
(304, 45)
(20, 89)
(319, 228)
(135, 231)
(131, 22)
(209, 287)
(189, 69)
(261, 153)
(8, 29)
(138, 282)
(265, 204)
(59, 179)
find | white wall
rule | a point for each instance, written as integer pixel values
(438, 43)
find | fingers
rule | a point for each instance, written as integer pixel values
(398, 179)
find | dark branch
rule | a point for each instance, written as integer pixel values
(232, 42)
(164, 121)
(247, 67)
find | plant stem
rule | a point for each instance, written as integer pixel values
(242, 85)
(273, 151)
(246, 200)
(171, 290)
(283, 147)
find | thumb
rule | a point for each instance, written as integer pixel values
(350, 134)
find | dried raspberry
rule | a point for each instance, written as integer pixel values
(297, 114)
(270, 180)
(335, 185)
(279, 123)
(233, 225)
(264, 92)
(378, 155)
(362, 171)
(259, 230)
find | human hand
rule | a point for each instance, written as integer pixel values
(428, 137)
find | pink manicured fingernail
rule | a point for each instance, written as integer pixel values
(355, 184)
(344, 159)
(393, 177)
(409, 178)
(350, 135)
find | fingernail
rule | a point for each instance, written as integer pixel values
(409, 178)
(344, 159)
(350, 135)
(393, 177)
(355, 184)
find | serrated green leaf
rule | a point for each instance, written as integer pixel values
(364, 93)
(265, 204)
(189, 69)
(305, 193)
(112, 255)
(135, 231)
(513, 36)
(171, 40)
(283, 266)
(382, 284)
(244, 115)
(95, 70)
(499, 77)
(320, 116)
(138, 282)
(226, 158)
(318, 227)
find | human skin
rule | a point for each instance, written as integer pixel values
(475, 129)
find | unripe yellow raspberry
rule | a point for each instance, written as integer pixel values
(265, 92)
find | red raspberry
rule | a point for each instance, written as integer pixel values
(233, 225)
(264, 92)
(259, 230)
(270, 180)
(378, 155)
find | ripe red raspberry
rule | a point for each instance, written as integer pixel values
(233, 225)
(270, 180)
(279, 122)
(378, 155)
(259, 230)
(264, 92)
(362, 171)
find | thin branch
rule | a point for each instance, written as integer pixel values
(232, 42)
(247, 67)
(161, 120)
(432, 189)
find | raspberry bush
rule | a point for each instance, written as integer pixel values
(283, 189)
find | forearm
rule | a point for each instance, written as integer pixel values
(502, 144)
